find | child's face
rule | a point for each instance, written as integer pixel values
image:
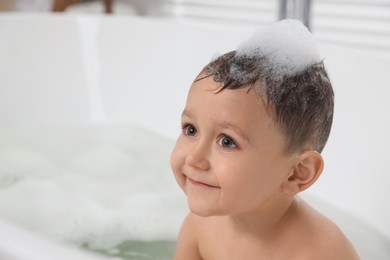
(230, 157)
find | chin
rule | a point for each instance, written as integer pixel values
(201, 213)
(204, 211)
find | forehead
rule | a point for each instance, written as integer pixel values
(236, 106)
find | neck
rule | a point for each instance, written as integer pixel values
(264, 222)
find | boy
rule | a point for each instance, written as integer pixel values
(255, 122)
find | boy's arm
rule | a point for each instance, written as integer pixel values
(187, 244)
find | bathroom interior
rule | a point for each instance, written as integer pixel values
(91, 93)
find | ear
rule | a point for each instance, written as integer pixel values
(306, 171)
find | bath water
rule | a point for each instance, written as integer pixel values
(143, 250)
(105, 188)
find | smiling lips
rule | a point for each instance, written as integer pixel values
(201, 184)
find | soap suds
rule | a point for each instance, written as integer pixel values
(287, 45)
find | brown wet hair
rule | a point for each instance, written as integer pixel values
(302, 105)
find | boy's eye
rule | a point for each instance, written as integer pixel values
(227, 142)
(189, 130)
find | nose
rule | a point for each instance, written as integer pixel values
(197, 157)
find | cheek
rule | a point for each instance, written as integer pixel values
(177, 159)
(233, 173)
(244, 175)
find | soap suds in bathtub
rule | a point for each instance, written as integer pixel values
(96, 186)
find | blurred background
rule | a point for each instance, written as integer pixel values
(359, 23)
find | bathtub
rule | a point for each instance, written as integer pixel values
(81, 96)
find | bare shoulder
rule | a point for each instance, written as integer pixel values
(200, 238)
(332, 244)
(325, 238)
(187, 243)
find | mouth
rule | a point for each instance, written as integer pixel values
(201, 184)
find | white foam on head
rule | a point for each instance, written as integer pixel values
(288, 46)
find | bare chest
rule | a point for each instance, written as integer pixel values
(220, 246)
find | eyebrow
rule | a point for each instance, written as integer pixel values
(237, 129)
(186, 113)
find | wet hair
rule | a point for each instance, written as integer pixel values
(301, 105)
